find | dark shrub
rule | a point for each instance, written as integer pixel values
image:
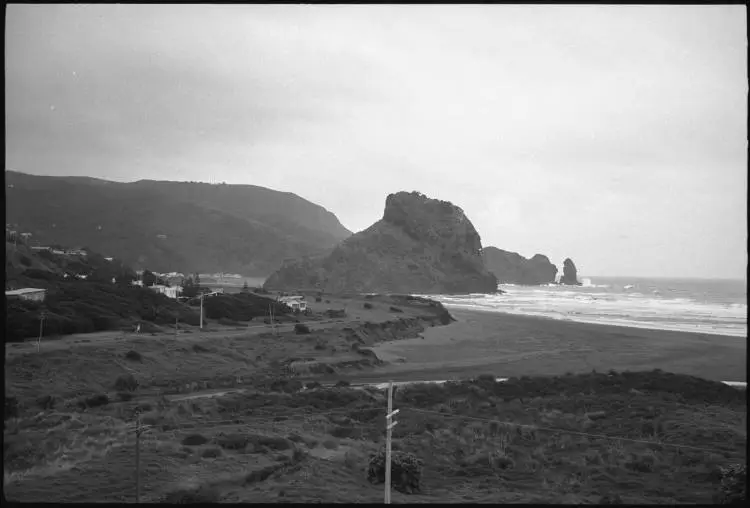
(285, 385)
(194, 440)
(328, 301)
(134, 356)
(261, 474)
(232, 441)
(318, 299)
(733, 488)
(369, 297)
(202, 494)
(312, 384)
(124, 396)
(406, 471)
(11, 407)
(100, 399)
(342, 383)
(126, 382)
(301, 328)
(396, 309)
(270, 442)
(344, 432)
(211, 453)
(46, 402)
(200, 349)
(320, 346)
(367, 305)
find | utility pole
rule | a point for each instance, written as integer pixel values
(201, 311)
(389, 433)
(176, 326)
(138, 459)
(41, 330)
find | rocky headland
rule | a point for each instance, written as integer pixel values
(421, 245)
(512, 268)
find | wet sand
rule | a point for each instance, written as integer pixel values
(511, 345)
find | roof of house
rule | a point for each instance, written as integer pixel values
(24, 291)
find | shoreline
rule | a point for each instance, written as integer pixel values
(741, 334)
(509, 345)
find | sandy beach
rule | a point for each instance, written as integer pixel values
(512, 345)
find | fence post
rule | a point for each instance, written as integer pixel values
(389, 433)
(137, 459)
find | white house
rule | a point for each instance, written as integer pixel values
(297, 303)
(170, 292)
(33, 294)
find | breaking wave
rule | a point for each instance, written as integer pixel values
(663, 305)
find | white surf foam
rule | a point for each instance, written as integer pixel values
(632, 309)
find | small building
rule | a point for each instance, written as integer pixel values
(170, 292)
(296, 303)
(32, 294)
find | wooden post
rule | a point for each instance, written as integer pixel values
(41, 330)
(138, 459)
(201, 311)
(389, 434)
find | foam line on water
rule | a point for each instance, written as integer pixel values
(742, 385)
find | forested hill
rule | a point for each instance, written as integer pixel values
(172, 226)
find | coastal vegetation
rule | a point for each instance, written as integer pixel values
(89, 293)
(602, 438)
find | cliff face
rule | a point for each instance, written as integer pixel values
(512, 268)
(421, 245)
(570, 274)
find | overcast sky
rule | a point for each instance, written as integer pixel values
(615, 135)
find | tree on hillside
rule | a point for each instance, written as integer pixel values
(189, 288)
(245, 289)
(149, 279)
(197, 280)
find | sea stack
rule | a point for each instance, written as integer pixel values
(570, 274)
(421, 245)
(512, 268)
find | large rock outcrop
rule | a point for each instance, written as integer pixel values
(570, 274)
(421, 245)
(512, 268)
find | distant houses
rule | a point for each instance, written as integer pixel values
(29, 294)
(296, 303)
(59, 252)
(169, 292)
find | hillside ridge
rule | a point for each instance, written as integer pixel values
(172, 226)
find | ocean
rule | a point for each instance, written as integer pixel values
(690, 305)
